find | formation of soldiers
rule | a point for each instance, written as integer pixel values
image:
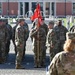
(43, 37)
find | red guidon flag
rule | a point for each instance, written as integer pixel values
(37, 14)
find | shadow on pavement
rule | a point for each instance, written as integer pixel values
(28, 62)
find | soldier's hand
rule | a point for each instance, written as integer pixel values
(52, 46)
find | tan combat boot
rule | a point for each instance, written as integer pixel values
(18, 66)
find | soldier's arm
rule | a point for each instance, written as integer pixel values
(52, 67)
(27, 32)
(33, 33)
(10, 32)
(6, 34)
(51, 38)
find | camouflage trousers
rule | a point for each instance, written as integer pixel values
(2, 50)
(19, 55)
(60, 46)
(52, 53)
(38, 54)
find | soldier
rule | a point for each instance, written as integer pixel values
(61, 35)
(20, 41)
(45, 27)
(9, 28)
(3, 40)
(51, 42)
(39, 38)
(26, 37)
(64, 62)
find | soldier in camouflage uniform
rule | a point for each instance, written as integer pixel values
(9, 35)
(61, 35)
(39, 39)
(26, 37)
(45, 27)
(51, 42)
(20, 41)
(64, 62)
(3, 40)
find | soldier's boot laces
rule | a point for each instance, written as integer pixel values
(19, 67)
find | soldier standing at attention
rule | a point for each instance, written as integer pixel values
(45, 27)
(39, 37)
(51, 41)
(19, 41)
(3, 40)
(61, 34)
(9, 28)
(64, 62)
(26, 37)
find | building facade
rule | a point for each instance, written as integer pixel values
(48, 7)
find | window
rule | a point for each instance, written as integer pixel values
(0, 8)
(73, 8)
(21, 8)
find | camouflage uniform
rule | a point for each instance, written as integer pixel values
(45, 27)
(63, 64)
(52, 43)
(9, 35)
(19, 41)
(3, 41)
(26, 37)
(61, 36)
(39, 37)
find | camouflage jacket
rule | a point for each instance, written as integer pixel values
(45, 27)
(9, 31)
(3, 33)
(61, 33)
(63, 64)
(27, 31)
(20, 34)
(51, 39)
(38, 34)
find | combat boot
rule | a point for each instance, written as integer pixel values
(18, 66)
(39, 65)
(1, 61)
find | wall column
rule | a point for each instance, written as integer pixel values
(23, 9)
(44, 5)
(18, 8)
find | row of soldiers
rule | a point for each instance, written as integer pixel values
(43, 37)
(5, 37)
(47, 37)
(18, 34)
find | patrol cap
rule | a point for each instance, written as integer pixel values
(70, 35)
(51, 23)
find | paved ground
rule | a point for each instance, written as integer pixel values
(9, 67)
